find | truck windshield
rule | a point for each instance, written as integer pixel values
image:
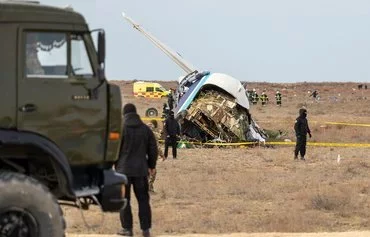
(47, 55)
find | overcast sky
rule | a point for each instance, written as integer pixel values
(252, 40)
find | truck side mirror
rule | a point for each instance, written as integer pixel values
(100, 45)
(101, 48)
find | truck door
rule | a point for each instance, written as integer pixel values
(8, 89)
(55, 84)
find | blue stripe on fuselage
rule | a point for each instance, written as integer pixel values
(186, 96)
(193, 93)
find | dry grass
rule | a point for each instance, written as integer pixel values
(255, 190)
(228, 190)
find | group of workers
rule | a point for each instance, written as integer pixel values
(254, 97)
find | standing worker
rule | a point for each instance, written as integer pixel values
(250, 96)
(315, 95)
(170, 100)
(301, 129)
(264, 99)
(137, 159)
(254, 97)
(278, 98)
(154, 126)
(172, 131)
(165, 111)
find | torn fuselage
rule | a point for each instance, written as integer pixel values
(214, 106)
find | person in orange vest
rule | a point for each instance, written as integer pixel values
(278, 98)
(264, 99)
(255, 97)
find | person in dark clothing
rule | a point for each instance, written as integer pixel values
(170, 101)
(165, 111)
(301, 130)
(172, 131)
(137, 158)
(315, 95)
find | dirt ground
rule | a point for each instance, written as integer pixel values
(261, 191)
(321, 234)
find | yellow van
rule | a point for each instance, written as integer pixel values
(149, 90)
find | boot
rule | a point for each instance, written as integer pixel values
(125, 232)
(146, 233)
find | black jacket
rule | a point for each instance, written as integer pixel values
(138, 149)
(301, 126)
(171, 127)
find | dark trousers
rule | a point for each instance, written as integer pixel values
(300, 146)
(141, 190)
(170, 141)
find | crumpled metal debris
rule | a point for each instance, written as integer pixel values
(213, 114)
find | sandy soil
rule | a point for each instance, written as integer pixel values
(321, 234)
(277, 189)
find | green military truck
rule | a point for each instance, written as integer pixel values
(60, 119)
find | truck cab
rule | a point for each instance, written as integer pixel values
(60, 119)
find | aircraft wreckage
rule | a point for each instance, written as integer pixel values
(209, 106)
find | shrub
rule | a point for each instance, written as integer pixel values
(329, 202)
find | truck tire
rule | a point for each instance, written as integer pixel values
(151, 112)
(27, 208)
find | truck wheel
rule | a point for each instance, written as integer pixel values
(151, 112)
(27, 208)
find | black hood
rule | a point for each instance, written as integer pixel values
(132, 120)
(303, 113)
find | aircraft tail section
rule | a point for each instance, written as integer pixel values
(187, 67)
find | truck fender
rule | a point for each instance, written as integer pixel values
(59, 160)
